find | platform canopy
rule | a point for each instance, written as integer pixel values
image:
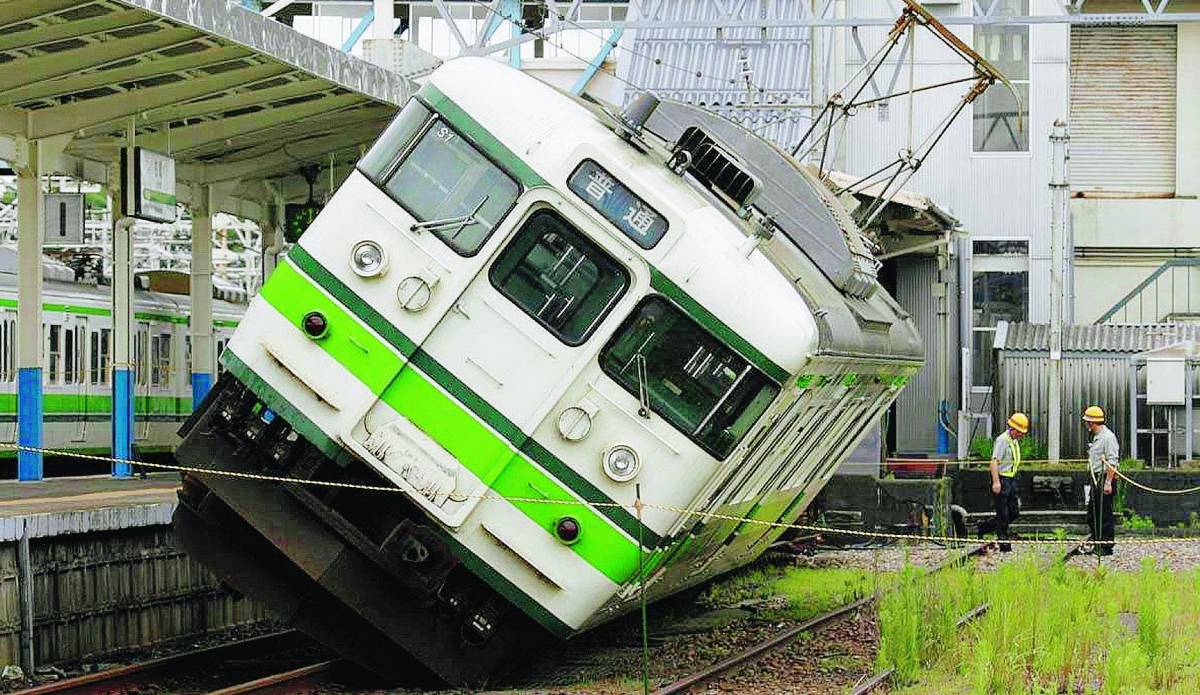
(236, 98)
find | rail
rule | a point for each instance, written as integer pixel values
(144, 676)
(757, 651)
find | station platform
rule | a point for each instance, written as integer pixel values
(84, 504)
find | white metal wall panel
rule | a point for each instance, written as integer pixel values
(1123, 109)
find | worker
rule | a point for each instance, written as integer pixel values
(1103, 457)
(1006, 459)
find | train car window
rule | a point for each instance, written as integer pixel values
(140, 348)
(618, 204)
(160, 360)
(453, 190)
(54, 354)
(69, 356)
(220, 349)
(691, 379)
(105, 354)
(559, 277)
(6, 350)
(94, 358)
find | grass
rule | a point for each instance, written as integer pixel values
(1062, 630)
(795, 593)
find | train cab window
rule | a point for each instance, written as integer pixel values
(559, 277)
(687, 376)
(453, 190)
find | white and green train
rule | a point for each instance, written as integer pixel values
(77, 363)
(520, 311)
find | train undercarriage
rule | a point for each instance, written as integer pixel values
(362, 571)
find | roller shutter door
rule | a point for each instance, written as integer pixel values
(1123, 109)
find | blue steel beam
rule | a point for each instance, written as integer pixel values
(359, 30)
(593, 67)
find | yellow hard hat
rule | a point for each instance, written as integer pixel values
(1019, 422)
(1094, 413)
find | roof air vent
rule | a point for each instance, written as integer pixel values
(697, 153)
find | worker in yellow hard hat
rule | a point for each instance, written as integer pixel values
(1006, 459)
(1104, 453)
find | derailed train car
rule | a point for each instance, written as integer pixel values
(517, 313)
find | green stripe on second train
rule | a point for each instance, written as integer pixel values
(56, 403)
(467, 438)
(101, 311)
(469, 399)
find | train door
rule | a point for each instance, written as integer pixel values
(160, 400)
(509, 345)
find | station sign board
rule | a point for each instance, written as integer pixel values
(153, 195)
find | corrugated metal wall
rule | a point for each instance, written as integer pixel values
(916, 408)
(666, 61)
(1123, 109)
(1096, 379)
(101, 592)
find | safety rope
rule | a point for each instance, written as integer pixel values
(1147, 488)
(683, 511)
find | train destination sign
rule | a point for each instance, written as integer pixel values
(618, 204)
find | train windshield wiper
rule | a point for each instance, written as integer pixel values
(639, 362)
(446, 223)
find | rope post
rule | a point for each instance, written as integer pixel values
(637, 505)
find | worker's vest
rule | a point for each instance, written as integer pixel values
(1015, 450)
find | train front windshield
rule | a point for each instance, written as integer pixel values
(690, 378)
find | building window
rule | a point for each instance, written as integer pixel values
(1001, 123)
(999, 292)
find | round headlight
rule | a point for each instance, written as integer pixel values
(621, 463)
(368, 259)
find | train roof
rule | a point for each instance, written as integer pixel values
(705, 253)
(59, 282)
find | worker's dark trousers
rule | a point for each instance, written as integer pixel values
(1008, 508)
(1100, 514)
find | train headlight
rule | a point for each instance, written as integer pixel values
(368, 259)
(621, 463)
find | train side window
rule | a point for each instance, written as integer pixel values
(53, 353)
(140, 348)
(94, 358)
(691, 379)
(221, 343)
(69, 356)
(559, 277)
(160, 360)
(105, 354)
(7, 348)
(453, 190)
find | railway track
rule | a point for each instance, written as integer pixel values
(755, 652)
(279, 662)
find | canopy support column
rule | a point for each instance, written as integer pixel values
(122, 317)
(201, 322)
(29, 313)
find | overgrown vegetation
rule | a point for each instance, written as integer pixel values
(797, 593)
(1062, 630)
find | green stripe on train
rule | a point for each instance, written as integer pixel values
(460, 391)
(101, 311)
(57, 403)
(309, 430)
(478, 448)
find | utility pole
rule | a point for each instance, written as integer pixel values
(1058, 224)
